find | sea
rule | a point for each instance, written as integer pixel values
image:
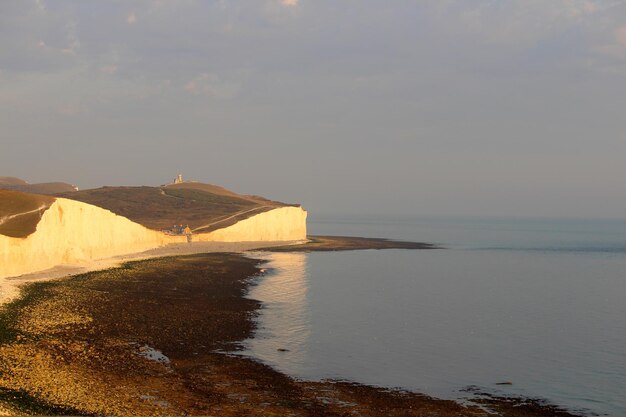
(532, 308)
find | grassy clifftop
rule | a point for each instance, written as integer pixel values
(203, 207)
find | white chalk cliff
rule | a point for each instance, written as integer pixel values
(279, 224)
(71, 232)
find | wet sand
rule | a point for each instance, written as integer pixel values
(160, 336)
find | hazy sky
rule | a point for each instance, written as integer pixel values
(452, 107)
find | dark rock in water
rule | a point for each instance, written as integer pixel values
(283, 350)
(504, 383)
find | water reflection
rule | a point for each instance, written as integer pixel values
(282, 336)
(439, 321)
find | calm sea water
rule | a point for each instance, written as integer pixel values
(538, 303)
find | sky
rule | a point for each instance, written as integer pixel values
(398, 107)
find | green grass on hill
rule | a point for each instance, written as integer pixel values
(203, 207)
(47, 188)
(163, 207)
(12, 181)
(209, 198)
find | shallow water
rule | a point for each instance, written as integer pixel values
(537, 303)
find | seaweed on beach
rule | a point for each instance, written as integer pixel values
(9, 313)
(24, 402)
(516, 406)
(73, 346)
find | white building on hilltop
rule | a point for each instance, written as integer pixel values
(179, 179)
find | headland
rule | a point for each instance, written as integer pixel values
(39, 232)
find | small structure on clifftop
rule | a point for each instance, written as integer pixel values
(179, 179)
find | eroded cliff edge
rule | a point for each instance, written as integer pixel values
(72, 232)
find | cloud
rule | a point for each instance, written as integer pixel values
(131, 19)
(577, 9)
(289, 3)
(109, 69)
(40, 5)
(212, 86)
(620, 35)
(73, 43)
(70, 110)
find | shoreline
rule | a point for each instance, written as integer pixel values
(136, 346)
(128, 340)
(317, 243)
(9, 286)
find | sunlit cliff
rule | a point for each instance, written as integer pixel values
(73, 232)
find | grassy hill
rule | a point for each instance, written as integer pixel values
(11, 181)
(20, 212)
(204, 207)
(47, 188)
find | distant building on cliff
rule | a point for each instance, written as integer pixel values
(179, 179)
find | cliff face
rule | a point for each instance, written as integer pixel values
(71, 232)
(280, 224)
